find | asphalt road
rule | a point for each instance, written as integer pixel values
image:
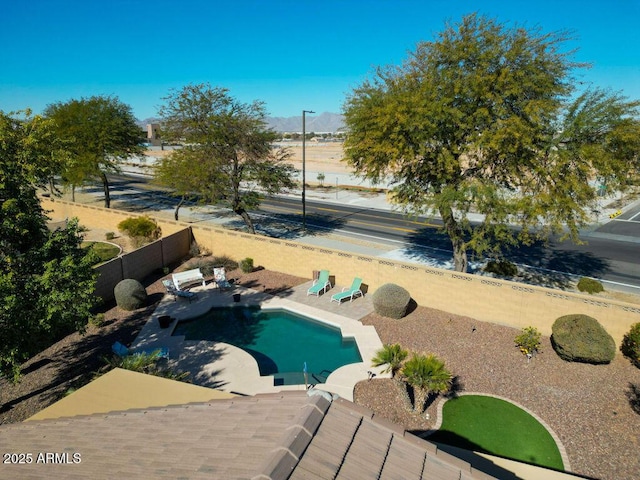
(611, 252)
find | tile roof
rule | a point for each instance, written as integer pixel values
(270, 436)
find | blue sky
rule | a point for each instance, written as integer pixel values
(292, 55)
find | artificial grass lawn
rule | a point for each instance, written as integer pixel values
(494, 426)
(105, 251)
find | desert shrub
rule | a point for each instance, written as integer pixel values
(529, 341)
(246, 265)
(630, 347)
(130, 294)
(590, 285)
(580, 338)
(97, 320)
(391, 300)
(502, 268)
(207, 264)
(140, 229)
(109, 235)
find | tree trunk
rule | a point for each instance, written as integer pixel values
(419, 399)
(73, 193)
(105, 186)
(456, 235)
(175, 214)
(247, 219)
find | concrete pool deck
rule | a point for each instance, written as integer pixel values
(231, 369)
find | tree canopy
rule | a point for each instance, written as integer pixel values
(486, 119)
(46, 278)
(98, 131)
(226, 153)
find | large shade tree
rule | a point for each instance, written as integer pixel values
(99, 131)
(227, 155)
(46, 278)
(486, 119)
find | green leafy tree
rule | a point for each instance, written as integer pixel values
(46, 278)
(99, 131)
(391, 355)
(485, 118)
(227, 152)
(426, 374)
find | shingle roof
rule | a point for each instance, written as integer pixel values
(273, 436)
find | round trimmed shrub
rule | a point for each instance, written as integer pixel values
(590, 285)
(630, 347)
(580, 338)
(130, 294)
(391, 300)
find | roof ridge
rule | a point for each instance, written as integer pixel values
(283, 459)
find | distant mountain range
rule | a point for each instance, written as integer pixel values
(324, 123)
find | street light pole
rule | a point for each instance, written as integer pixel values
(304, 204)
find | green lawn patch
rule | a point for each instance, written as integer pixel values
(494, 426)
(105, 251)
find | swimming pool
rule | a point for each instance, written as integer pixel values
(281, 341)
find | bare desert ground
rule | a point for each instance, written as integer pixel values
(319, 157)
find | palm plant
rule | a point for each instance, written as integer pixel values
(426, 374)
(391, 355)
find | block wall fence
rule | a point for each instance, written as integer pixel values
(485, 299)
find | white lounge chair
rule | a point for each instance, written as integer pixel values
(176, 292)
(220, 278)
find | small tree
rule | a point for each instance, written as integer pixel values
(227, 151)
(98, 131)
(426, 374)
(391, 355)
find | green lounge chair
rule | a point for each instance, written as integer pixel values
(350, 293)
(322, 283)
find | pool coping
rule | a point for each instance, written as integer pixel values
(229, 368)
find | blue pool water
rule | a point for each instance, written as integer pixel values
(280, 341)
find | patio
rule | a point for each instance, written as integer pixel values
(229, 368)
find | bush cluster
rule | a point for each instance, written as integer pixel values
(590, 285)
(391, 300)
(130, 294)
(529, 341)
(580, 338)
(502, 268)
(246, 265)
(207, 264)
(140, 229)
(630, 347)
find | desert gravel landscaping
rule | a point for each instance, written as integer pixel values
(587, 406)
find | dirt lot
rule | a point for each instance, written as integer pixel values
(319, 157)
